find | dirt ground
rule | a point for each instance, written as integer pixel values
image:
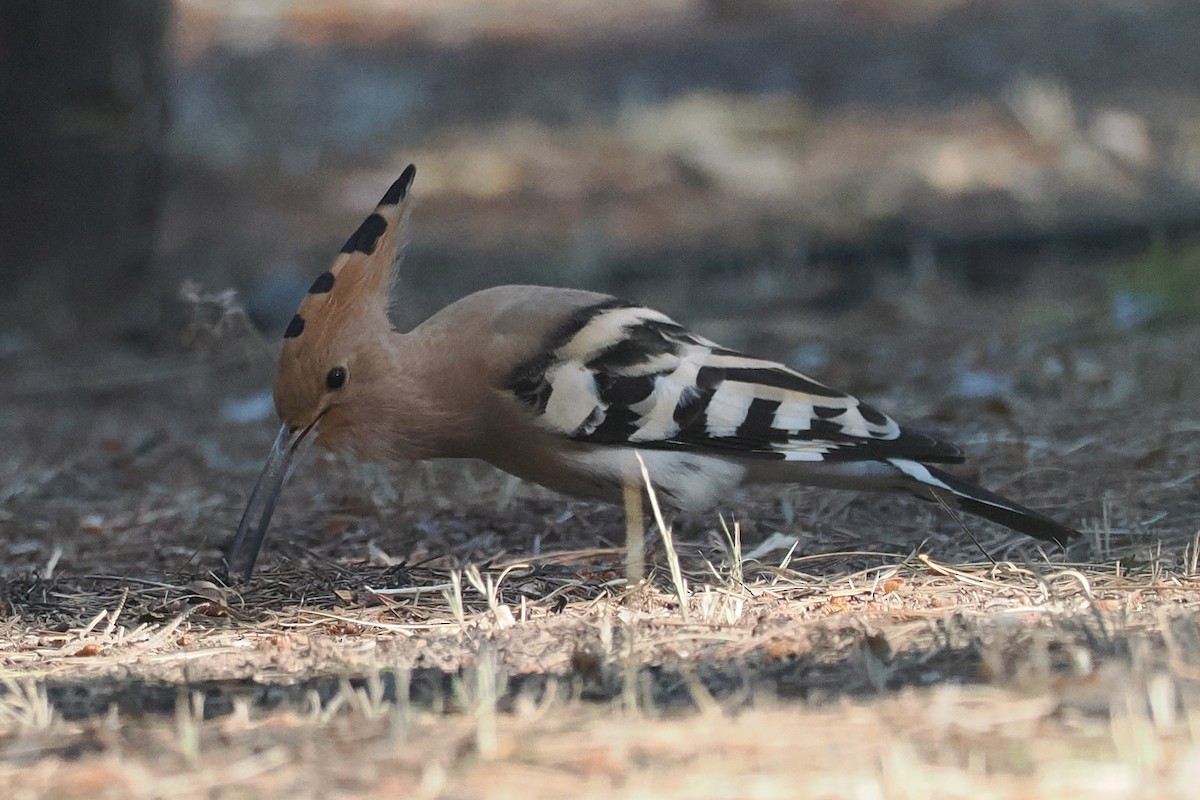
(445, 631)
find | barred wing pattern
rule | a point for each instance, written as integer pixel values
(619, 374)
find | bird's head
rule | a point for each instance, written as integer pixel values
(334, 335)
(332, 351)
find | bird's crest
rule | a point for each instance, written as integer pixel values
(362, 275)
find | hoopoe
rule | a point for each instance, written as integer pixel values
(562, 387)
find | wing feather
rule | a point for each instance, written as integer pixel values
(621, 374)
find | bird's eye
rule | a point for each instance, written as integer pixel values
(336, 378)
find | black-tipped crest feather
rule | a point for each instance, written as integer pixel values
(399, 190)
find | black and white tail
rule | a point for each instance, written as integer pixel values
(982, 503)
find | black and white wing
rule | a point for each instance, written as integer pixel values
(616, 375)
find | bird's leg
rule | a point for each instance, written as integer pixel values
(635, 534)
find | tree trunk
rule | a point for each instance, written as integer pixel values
(84, 99)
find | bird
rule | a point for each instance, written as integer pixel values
(568, 388)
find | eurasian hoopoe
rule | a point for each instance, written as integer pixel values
(562, 387)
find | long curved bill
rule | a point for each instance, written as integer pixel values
(289, 445)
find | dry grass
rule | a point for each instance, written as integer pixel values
(912, 678)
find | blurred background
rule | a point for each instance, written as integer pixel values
(713, 157)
